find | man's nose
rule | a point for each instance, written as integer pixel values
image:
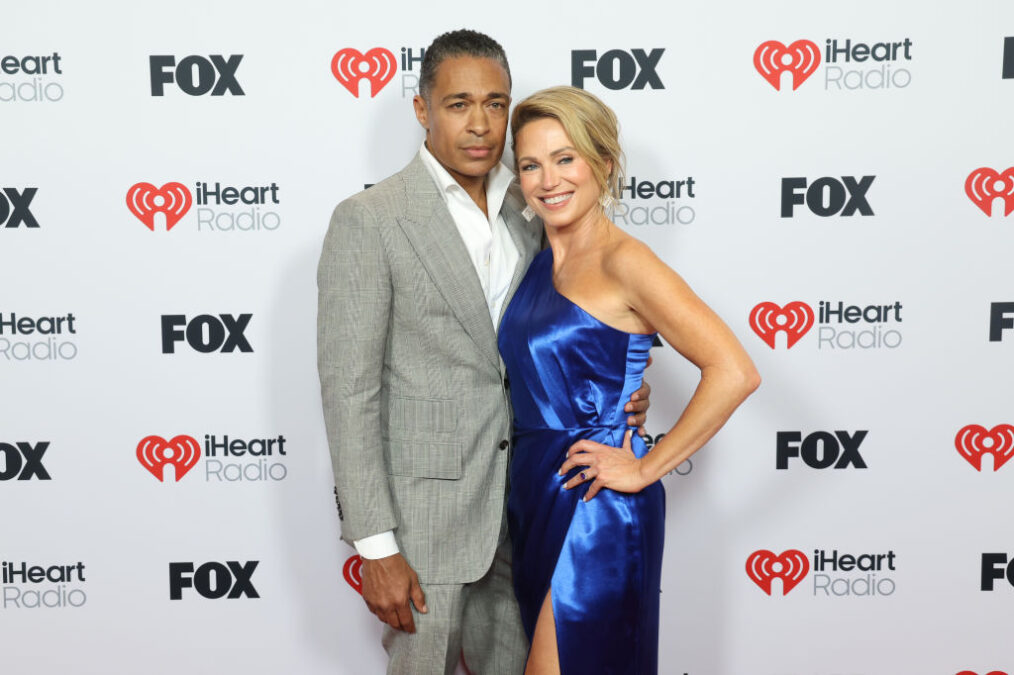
(478, 120)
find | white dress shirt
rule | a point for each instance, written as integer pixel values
(493, 255)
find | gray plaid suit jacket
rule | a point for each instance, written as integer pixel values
(414, 391)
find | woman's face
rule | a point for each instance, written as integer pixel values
(556, 181)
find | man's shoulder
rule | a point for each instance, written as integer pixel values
(394, 193)
(378, 196)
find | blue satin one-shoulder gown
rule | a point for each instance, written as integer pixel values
(570, 377)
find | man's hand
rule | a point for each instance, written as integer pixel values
(638, 406)
(388, 585)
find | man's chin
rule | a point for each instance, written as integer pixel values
(478, 168)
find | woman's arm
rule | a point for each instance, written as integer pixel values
(665, 302)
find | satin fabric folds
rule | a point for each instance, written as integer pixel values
(570, 377)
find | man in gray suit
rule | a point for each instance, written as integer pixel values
(414, 276)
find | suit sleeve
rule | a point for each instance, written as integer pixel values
(353, 318)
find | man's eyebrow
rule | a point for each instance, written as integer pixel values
(466, 96)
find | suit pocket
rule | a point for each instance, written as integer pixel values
(425, 459)
(413, 415)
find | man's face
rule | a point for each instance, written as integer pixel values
(466, 116)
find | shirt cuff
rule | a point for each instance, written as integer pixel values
(377, 545)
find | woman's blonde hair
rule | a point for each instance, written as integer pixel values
(591, 125)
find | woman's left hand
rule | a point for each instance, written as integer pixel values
(614, 468)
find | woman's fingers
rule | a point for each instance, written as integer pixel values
(581, 477)
(585, 453)
(602, 466)
(578, 455)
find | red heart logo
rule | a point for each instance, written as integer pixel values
(792, 566)
(353, 573)
(984, 185)
(798, 320)
(773, 58)
(145, 200)
(350, 66)
(973, 441)
(182, 452)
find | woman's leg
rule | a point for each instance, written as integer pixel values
(544, 659)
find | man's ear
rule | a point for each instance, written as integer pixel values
(421, 111)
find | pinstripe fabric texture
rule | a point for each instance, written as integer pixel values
(479, 621)
(413, 388)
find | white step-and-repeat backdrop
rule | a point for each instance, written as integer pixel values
(836, 180)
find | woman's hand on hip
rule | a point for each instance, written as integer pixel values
(605, 466)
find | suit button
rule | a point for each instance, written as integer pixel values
(504, 445)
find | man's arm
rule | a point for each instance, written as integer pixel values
(353, 311)
(638, 406)
(353, 316)
(376, 545)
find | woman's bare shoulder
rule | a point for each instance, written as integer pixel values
(628, 258)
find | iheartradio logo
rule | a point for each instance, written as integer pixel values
(974, 441)
(795, 319)
(353, 573)
(172, 199)
(772, 58)
(181, 452)
(791, 567)
(972, 672)
(984, 185)
(350, 66)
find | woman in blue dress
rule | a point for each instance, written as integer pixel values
(586, 509)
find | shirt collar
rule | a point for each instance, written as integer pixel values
(498, 180)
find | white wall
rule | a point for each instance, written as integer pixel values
(928, 252)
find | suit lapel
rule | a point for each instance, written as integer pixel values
(431, 231)
(521, 232)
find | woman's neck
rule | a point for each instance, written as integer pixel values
(579, 237)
